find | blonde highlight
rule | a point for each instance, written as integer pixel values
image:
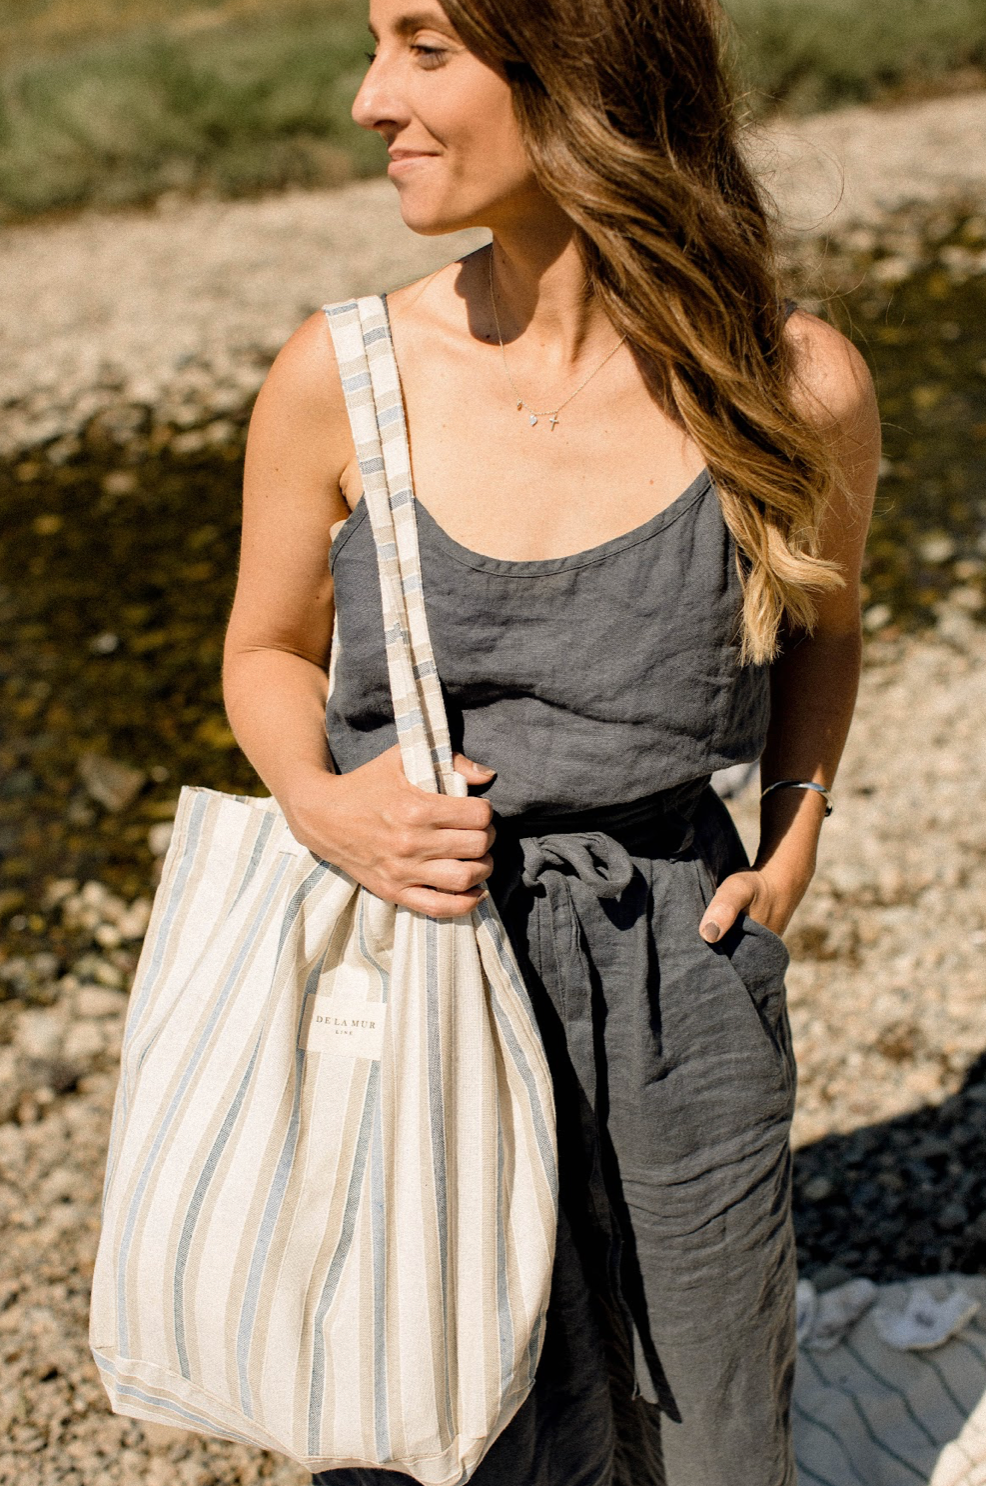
(629, 120)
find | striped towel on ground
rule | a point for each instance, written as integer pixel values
(868, 1415)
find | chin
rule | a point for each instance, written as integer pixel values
(430, 218)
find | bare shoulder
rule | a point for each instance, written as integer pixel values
(303, 386)
(832, 383)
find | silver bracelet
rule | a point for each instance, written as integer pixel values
(801, 784)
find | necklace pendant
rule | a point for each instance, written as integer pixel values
(520, 406)
(532, 419)
(553, 420)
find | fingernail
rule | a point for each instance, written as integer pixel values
(711, 933)
(483, 769)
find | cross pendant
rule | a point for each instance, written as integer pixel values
(553, 419)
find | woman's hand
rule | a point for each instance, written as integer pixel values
(751, 893)
(425, 851)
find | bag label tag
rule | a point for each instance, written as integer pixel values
(347, 1026)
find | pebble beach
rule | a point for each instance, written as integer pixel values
(130, 335)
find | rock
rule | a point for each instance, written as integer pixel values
(110, 783)
(952, 1217)
(84, 1043)
(849, 878)
(133, 923)
(966, 598)
(40, 1033)
(937, 548)
(877, 617)
(104, 644)
(108, 975)
(10, 1084)
(893, 270)
(159, 837)
(956, 627)
(830, 1277)
(45, 965)
(104, 972)
(58, 890)
(120, 482)
(99, 1001)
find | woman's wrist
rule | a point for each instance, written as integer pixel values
(786, 877)
(302, 796)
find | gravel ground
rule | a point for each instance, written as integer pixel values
(887, 982)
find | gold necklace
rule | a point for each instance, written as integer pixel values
(532, 413)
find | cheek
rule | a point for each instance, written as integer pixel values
(480, 131)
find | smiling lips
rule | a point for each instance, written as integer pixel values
(399, 158)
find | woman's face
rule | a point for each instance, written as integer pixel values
(456, 153)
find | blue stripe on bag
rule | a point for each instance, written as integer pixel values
(123, 1336)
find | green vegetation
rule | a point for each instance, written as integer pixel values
(114, 102)
(813, 54)
(249, 104)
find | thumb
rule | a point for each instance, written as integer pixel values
(469, 769)
(731, 897)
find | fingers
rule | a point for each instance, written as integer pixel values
(430, 812)
(441, 905)
(454, 876)
(732, 897)
(469, 769)
(459, 845)
(452, 889)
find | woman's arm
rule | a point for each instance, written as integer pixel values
(813, 685)
(277, 643)
(429, 852)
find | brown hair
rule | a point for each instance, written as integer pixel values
(629, 120)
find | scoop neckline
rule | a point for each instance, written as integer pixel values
(536, 566)
(519, 567)
(588, 555)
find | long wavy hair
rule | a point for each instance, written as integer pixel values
(628, 116)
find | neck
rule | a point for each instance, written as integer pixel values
(542, 293)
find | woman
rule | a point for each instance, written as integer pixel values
(642, 496)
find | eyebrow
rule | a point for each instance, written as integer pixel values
(420, 20)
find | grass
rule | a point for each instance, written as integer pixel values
(252, 103)
(807, 55)
(115, 102)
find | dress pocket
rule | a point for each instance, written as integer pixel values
(759, 960)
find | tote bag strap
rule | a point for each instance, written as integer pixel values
(371, 386)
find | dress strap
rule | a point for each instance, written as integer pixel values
(371, 385)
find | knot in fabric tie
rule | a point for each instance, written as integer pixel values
(595, 858)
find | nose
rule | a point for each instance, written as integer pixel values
(377, 104)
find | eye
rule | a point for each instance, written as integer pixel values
(430, 56)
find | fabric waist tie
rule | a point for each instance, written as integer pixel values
(593, 844)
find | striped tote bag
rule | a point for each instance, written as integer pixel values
(330, 1201)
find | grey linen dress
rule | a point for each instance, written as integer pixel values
(605, 688)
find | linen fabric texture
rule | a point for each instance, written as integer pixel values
(330, 1205)
(604, 687)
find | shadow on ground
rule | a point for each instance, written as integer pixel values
(904, 1197)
